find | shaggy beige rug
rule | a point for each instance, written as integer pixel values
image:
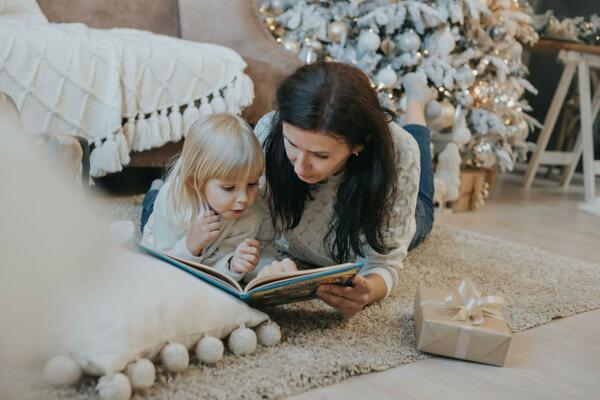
(320, 348)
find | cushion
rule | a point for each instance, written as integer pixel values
(144, 305)
(66, 288)
(24, 10)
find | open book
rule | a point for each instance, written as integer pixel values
(271, 290)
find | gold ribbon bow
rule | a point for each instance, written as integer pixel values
(472, 305)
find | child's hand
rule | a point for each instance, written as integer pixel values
(285, 265)
(205, 229)
(245, 257)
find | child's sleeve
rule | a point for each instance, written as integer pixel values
(265, 234)
(245, 227)
(168, 234)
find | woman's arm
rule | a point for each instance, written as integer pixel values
(380, 275)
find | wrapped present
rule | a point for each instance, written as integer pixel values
(464, 324)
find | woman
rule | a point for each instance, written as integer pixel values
(343, 183)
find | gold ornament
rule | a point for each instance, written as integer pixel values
(387, 46)
(337, 31)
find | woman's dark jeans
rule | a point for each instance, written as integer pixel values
(148, 207)
(424, 209)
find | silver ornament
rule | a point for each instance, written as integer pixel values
(291, 45)
(368, 41)
(337, 31)
(387, 77)
(433, 109)
(464, 77)
(497, 33)
(409, 41)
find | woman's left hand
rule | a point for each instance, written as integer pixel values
(347, 299)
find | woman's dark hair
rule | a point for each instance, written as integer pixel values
(335, 99)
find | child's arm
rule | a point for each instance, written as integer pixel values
(238, 253)
(265, 235)
(169, 233)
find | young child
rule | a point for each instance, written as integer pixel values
(201, 212)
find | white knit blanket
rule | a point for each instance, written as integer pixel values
(124, 90)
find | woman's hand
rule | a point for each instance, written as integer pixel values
(205, 229)
(245, 257)
(285, 265)
(351, 299)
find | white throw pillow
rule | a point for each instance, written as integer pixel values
(144, 305)
(24, 10)
(66, 288)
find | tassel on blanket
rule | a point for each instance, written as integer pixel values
(218, 104)
(176, 123)
(205, 108)
(105, 158)
(165, 128)
(244, 90)
(190, 115)
(123, 147)
(141, 135)
(129, 131)
(231, 100)
(155, 139)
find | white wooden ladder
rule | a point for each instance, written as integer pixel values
(588, 112)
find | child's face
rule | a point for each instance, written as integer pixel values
(230, 199)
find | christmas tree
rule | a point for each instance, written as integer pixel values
(469, 51)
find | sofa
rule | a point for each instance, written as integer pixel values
(232, 23)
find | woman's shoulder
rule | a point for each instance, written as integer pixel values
(405, 145)
(263, 126)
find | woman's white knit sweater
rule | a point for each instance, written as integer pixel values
(306, 241)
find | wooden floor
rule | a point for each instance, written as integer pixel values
(559, 360)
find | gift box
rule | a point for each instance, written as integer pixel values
(463, 324)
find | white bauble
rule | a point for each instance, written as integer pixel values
(464, 77)
(175, 357)
(313, 43)
(461, 135)
(440, 43)
(386, 76)
(268, 334)
(433, 109)
(62, 370)
(368, 41)
(210, 349)
(291, 45)
(409, 41)
(242, 341)
(515, 51)
(337, 31)
(114, 387)
(141, 373)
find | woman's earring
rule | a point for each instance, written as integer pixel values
(356, 153)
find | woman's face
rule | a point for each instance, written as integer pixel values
(314, 155)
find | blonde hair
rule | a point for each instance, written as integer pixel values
(220, 146)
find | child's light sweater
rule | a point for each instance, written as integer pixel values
(306, 241)
(168, 232)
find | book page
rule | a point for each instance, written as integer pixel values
(281, 276)
(300, 288)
